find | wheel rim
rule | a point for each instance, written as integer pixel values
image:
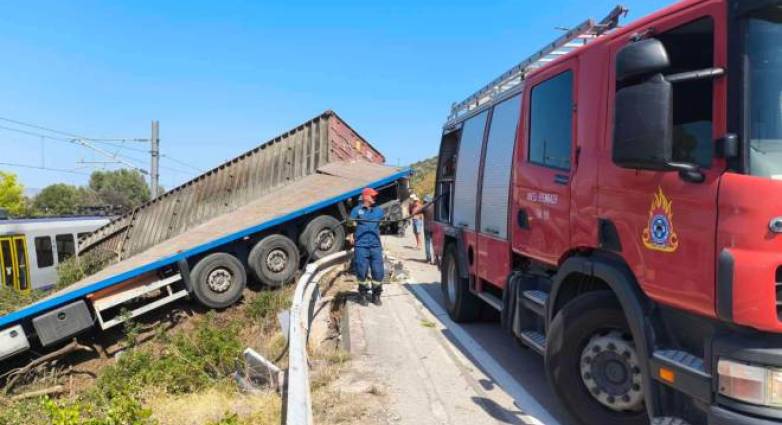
(611, 372)
(219, 279)
(325, 240)
(276, 260)
(451, 283)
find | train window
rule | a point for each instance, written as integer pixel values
(43, 251)
(21, 263)
(82, 234)
(7, 261)
(65, 247)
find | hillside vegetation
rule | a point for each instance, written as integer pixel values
(424, 174)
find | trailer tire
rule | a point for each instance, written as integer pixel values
(274, 260)
(322, 236)
(218, 280)
(592, 364)
(462, 305)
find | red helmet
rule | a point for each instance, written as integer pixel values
(368, 192)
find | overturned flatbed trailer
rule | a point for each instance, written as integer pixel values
(259, 216)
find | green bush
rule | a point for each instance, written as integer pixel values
(267, 304)
(75, 269)
(120, 410)
(190, 361)
(27, 412)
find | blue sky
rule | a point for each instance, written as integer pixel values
(222, 77)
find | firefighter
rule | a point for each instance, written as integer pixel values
(368, 249)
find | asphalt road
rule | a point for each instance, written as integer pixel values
(521, 364)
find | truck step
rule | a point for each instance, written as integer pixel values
(490, 299)
(534, 340)
(535, 301)
(668, 421)
(682, 360)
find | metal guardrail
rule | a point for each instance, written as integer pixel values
(299, 403)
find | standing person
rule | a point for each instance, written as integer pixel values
(428, 211)
(368, 249)
(418, 219)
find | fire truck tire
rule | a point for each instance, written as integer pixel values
(462, 305)
(322, 236)
(592, 364)
(218, 280)
(274, 260)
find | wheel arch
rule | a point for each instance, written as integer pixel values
(607, 271)
(454, 236)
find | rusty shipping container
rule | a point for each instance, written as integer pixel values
(286, 158)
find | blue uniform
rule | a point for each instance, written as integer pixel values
(369, 251)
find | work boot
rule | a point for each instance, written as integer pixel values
(362, 294)
(376, 291)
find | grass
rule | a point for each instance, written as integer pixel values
(266, 304)
(428, 323)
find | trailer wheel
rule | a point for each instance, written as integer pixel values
(274, 260)
(322, 236)
(218, 280)
(462, 305)
(592, 362)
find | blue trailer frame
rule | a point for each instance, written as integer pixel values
(48, 304)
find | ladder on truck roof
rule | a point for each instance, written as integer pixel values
(574, 38)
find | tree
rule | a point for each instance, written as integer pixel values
(424, 174)
(58, 199)
(11, 194)
(121, 188)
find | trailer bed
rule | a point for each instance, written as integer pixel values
(332, 183)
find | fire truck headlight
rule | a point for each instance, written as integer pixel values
(751, 384)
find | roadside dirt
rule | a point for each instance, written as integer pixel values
(345, 389)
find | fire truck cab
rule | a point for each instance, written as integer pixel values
(617, 197)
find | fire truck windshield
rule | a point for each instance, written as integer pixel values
(763, 70)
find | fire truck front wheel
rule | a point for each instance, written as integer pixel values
(218, 280)
(462, 305)
(592, 363)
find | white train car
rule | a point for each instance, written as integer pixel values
(31, 249)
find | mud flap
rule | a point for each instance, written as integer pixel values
(510, 302)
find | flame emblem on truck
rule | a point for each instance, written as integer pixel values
(659, 234)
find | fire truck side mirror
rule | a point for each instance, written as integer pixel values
(641, 59)
(643, 125)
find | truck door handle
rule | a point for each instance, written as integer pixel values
(523, 219)
(561, 179)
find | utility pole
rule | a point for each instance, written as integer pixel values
(154, 170)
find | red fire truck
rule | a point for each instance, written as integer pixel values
(617, 197)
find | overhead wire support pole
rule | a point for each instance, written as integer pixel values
(154, 169)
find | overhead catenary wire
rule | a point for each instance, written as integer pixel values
(39, 167)
(87, 142)
(77, 141)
